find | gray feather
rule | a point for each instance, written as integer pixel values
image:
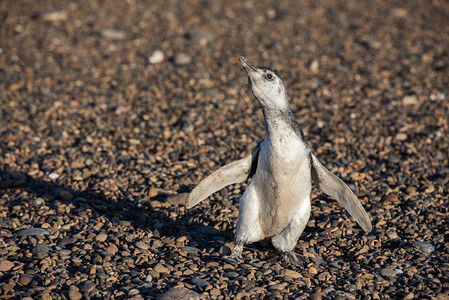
(234, 172)
(336, 188)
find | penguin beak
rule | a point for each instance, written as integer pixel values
(249, 66)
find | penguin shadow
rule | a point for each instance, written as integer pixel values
(164, 215)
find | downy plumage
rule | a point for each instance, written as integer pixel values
(276, 204)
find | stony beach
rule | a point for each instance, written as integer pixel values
(112, 111)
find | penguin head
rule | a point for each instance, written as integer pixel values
(266, 85)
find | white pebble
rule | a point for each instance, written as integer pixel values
(157, 57)
(53, 176)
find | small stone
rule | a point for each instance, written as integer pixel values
(391, 197)
(410, 100)
(112, 249)
(392, 235)
(401, 136)
(161, 269)
(113, 34)
(179, 294)
(208, 231)
(40, 251)
(156, 244)
(53, 176)
(87, 287)
(157, 57)
(424, 247)
(52, 16)
(199, 282)
(291, 273)
(25, 279)
(409, 296)
(45, 296)
(32, 232)
(178, 199)
(202, 37)
(190, 250)
(231, 274)
(387, 272)
(65, 195)
(224, 251)
(6, 265)
(277, 287)
(142, 245)
(75, 295)
(101, 237)
(6, 287)
(152, 192)
(313, 270)
(183, 59)
(314, 66)
(394, 159)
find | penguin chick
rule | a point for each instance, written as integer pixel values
(276, 205)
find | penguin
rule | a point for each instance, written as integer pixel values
(277, 204)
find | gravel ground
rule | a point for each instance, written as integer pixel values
(112, 110)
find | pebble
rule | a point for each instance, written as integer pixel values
(279, 286)
(157, 57)
(387, 272)
(409, 296)
(393, 235)
(178, 199)
(40, 251)
(161, 269)
(410, 100)
(101, 237)
(208, 231)
(87, 287)
(6, 265)
(152, 192)
(179, 294)
(32, 232)
(183, 59)
(224, 251)
(202, 37)
(53, 176)
(291, 273)
(25, 279)
(112, 249)
(113, 34)
(190, 250)
(65, 195)
(142, 245)
(52, 16)
(424, 247)
(75, 295)
(231, 274)
(199, 282)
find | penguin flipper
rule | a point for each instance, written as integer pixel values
(235, 172)
(335, 187)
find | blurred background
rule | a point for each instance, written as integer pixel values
(126, 103)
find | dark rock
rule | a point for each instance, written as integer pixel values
(190, 250)
(199, 282)
(40, 251)
(32, 232)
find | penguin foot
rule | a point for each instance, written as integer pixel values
(236, 254)
(289, 258)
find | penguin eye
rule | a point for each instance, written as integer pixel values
(269, 76)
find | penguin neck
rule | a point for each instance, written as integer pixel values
(278, 121)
